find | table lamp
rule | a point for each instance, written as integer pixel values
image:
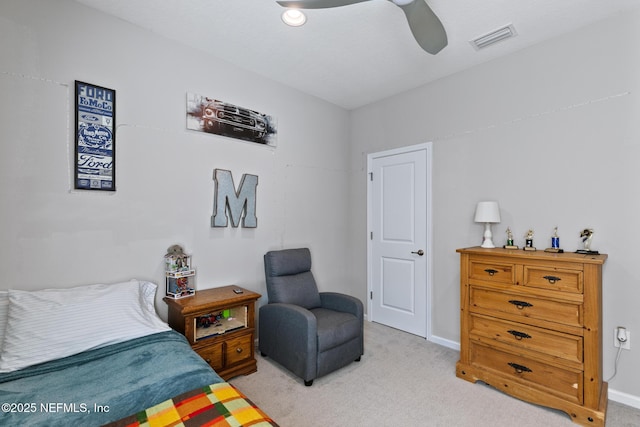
(488, 213)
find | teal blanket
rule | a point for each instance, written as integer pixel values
(103, 385)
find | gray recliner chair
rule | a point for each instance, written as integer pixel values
(308, 332)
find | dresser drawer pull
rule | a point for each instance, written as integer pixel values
(520, 304)
(552, 279)
(519, 335)
(239, 350)
(519, 368)
(491, 271)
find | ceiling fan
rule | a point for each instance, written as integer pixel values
(425, 25)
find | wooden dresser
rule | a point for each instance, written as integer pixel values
(531, 326)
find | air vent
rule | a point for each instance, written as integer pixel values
(493, 37)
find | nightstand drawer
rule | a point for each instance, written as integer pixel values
(525, 307)
(238, 349)
(545, 343)
(212, 354)
(493, 272)
(565, 383)
(553, 278)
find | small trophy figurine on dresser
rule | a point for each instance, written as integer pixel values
(586, 235)
(528, 246)
(510, 244)
(555, 243)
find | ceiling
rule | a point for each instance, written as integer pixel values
(358, 54)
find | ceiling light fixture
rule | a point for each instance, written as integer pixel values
(294, 17)
(495, 36)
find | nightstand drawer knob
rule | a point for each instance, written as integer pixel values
(207, 360)
(519, 335)
(491, 271)
(520, 304)
(552, 279)
(519, 368)
(239, 350)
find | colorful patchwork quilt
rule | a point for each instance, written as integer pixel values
(217, 405)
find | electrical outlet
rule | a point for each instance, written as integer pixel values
(626, 345)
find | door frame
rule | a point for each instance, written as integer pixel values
(427, 146)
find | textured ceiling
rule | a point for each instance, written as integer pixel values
(358, 54)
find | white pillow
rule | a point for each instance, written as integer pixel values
(55, 323)
(4, 308)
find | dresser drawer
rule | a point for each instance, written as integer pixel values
(238, 349)
(525, 306)
(212, 354)
(493, 272)
(547, 344)
(553, 278)
(565, 383)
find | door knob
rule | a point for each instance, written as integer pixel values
(419, 252)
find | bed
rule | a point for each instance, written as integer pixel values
(99, 354)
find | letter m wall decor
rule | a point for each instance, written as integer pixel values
(228, 200)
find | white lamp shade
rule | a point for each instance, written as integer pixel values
(487, 212)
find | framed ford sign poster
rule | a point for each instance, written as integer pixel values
(95, 147)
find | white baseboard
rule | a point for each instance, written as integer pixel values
(444, 342)
(624, 398)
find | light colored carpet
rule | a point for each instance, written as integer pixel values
(402, 380)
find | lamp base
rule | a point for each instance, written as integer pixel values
(487, 237)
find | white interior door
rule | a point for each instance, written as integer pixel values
(399, 253)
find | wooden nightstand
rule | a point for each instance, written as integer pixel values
(220, 325)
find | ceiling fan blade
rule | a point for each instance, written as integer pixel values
(425, 26)
(317, 4)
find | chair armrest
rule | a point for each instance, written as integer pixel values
(288, 327)
(288, 318)
(341, 302)
(288, 334)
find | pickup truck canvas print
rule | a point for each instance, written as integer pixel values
(211, 115)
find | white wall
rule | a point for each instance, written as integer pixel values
(54, 237)
(552, 133)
